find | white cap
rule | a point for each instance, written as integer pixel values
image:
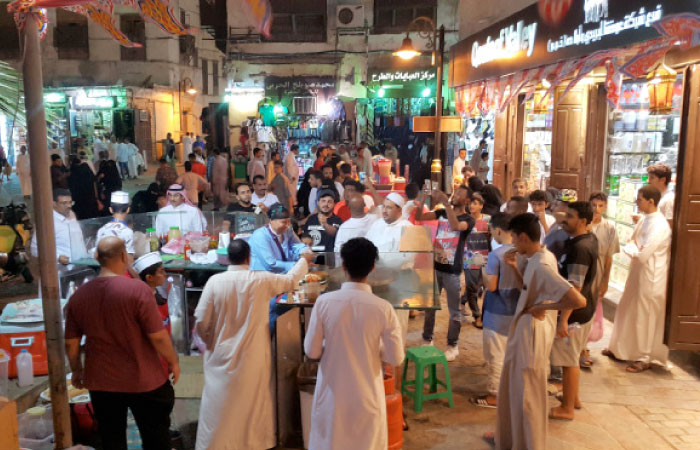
(120, 197)
(146, 261)
(397, 199)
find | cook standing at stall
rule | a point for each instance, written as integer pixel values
(179, 212)
(275, 248)
(238, 401)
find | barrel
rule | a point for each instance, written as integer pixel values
(394, 413)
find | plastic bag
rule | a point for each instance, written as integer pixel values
(597, 329)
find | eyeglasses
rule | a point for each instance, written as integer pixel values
(66, 203)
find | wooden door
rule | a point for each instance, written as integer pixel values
(683, 300)
(508, 145)
(569, 139)
(596, 140)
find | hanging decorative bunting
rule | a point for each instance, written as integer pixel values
(589, 63)
(613, 82)
(684, 27)
(100, 11)
(162, 15)
(506, 93)
(105, 19)
(260, 13)
(647, 56)
(552, 12)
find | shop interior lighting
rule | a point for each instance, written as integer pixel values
(54, 97)
(407, 51)
(381, 93)
(426, 92)
(278, 109)
(192, 91)
(546, 83)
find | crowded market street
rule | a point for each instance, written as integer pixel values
(349, 225)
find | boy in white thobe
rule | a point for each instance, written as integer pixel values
(238, 410)
(352, 331)
(638, 330)
(522, 394)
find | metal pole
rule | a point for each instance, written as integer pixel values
(439, 153)
(43, 219)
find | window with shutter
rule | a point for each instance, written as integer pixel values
(133, 26)
(394, 16)
(71, 35)
(9, 45)
(298, 21)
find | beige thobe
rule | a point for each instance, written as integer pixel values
(638, 330)
(238, 409)
(522, 393)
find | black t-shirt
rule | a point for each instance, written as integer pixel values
(448, 245)
(237, 207)
(578, 265)
(322, 241)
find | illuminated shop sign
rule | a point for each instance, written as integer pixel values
(525, 40)
(510, 41)
(82, 101)
(54, 97)
(403, 75)
(583, 36)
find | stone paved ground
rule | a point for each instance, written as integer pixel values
(652, 410)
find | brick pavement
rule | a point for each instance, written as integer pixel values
(653, 410)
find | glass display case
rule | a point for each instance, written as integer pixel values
(537, 146)
(637, 138)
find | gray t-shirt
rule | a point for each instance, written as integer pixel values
(608, 245)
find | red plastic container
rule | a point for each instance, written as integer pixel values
(15, 338)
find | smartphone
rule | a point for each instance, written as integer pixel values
(363, 177)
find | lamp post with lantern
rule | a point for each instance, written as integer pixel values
(427, 29)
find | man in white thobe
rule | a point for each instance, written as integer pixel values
(70, 244)
(522, 393)
(238, 409)
(187, 144)
(179, 212)
(638, 330)
(357, 225)
(660, 177)
(352, 331)
(386, 233)
(459, 164)
(24, 172)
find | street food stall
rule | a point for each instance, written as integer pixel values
(405, 279)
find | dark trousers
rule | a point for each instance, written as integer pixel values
(124, 170)
(151, 411)
(474, 281)
(200, 197)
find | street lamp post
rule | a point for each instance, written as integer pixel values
(426, 28)
(187, 86)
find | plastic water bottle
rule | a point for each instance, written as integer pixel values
(25, 369)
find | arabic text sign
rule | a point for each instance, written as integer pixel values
(403, 76)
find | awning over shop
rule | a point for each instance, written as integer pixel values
(491, 68)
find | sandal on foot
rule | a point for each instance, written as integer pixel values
(482, 402)
(637, 367)
(609, 354)
(478, 323)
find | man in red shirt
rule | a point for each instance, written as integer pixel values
(124, 335)
(197, 167)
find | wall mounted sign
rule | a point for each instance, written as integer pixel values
(524, 40)
(279, 87)
(402, 75)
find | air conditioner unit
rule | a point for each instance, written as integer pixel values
(350, 16)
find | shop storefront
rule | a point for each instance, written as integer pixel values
(395, 95)
(588, 104)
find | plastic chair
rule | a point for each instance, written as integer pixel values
(422, 357)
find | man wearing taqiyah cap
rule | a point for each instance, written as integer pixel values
(386, 234)
(179, 212)
(117, 226)
(151, 271)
